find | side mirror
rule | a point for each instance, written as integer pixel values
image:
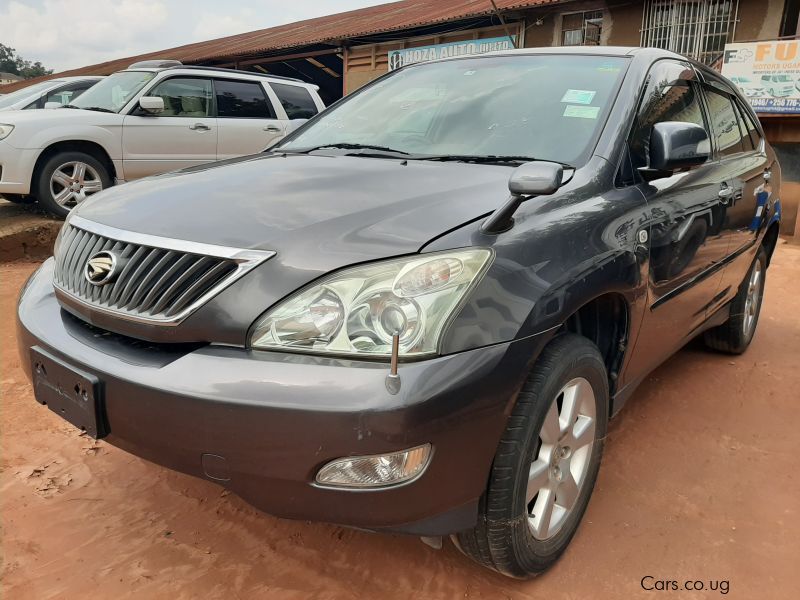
(52, 105)
(675, 146)
(152, 104)
(536, 178)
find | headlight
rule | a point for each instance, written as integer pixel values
(5, 130)
(358, 310)
(60, 236)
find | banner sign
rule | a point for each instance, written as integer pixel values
(409, 56)
(768, 73)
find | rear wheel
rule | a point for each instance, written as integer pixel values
(735, 334)
(546, 464)
(67, 179)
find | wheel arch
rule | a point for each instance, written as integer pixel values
(771, 240)
(605, 320)
(92, 148)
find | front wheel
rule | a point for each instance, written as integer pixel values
(546, 463)
(67, 179)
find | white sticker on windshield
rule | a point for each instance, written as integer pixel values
(578, 96)
(582, 112)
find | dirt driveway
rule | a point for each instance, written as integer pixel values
(700, 482)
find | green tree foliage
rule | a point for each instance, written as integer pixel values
(10, 62)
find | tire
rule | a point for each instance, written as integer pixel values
(506, 537)
(735, 334)
(19, 198)
(62, 171)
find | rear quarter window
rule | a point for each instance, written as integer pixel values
(724, 122)
(296, 100)
(242, 100)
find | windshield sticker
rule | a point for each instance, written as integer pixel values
(578, 96)
(582, 112)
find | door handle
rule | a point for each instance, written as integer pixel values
(199, 127)
(272, 129)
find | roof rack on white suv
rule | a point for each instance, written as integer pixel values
(155, 64)
(239, 72)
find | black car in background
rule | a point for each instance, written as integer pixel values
(419, 311)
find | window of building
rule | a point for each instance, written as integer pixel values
(242, 100)
(695, 28)
(296, 100)
(582, 29)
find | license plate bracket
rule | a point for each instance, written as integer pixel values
(71, 393)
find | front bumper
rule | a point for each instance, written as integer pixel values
(271, 420)
(16, 168)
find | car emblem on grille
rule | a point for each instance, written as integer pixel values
(101, 268)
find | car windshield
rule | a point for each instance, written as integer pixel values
(548, 107)
(25, 92)
(113, 92)
(783, 79)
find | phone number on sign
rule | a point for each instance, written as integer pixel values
(788, 104)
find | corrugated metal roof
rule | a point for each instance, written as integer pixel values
(384, 18)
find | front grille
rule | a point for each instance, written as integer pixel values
(158, 279)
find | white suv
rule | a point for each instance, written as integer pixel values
(153, 117)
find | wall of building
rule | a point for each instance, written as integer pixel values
(621, 23)
(364, 63)
(759, 20)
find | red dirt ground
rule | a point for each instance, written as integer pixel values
(700, 482)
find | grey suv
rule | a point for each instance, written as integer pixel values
(419, 311)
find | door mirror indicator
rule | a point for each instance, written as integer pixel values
(152, 104)
(536, 178)
(675, 146)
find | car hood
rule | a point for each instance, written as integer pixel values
(325, 211)
(41, 117)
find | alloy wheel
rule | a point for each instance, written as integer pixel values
(753, 298)
(560, 465)
(73, 181)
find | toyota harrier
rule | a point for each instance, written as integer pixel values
(418, 312)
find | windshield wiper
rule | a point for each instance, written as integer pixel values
(98, 109)
(479, 158)
(347, 146)
(70, 106)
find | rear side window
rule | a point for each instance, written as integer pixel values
(242, 100)
(68, 93)
(749, 126)
(296, 100)
(725, 122)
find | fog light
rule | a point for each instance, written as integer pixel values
(379, 470)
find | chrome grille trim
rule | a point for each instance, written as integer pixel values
(163, 280)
